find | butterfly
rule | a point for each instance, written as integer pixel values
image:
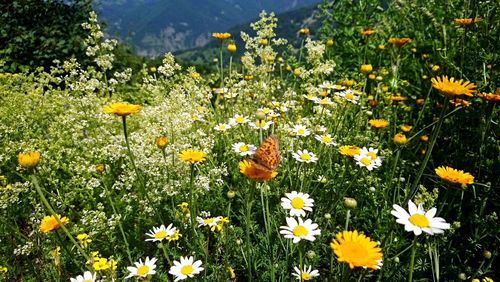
(267, 156)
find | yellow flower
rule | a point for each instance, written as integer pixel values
(492, 97)
(3, 269)
(29, 159)
(381, 46)
(161, 142)
(221, 35)
(452, 175)
(424, 138)
(347, 82)
(122, 108)
(191, 156)
(50, 223)
(329, 41)
(231, 47)
(378, 123)
(405, 127)
(100, 167)
(467, 21)
(194, 75)
(399, 41)
(252, 171)
(367, 68)
(349, 150)
(367, 31)
(304, 31)
(460, 102)
(451, 88)
(101, 264)
(357, 250)
(84, 239)
(397, 98)
(400, 139)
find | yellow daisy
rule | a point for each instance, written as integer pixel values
(29, 159)
(50, 223)
(357, 250)
(378, 123)
(467, 21)
(349, 150)
(452, 175)
(122, 108)
(191, 156)
(449, 87)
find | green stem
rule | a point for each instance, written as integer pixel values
(120, 226)
(221, 66)
(265, 210)
(248, 223)
(192, 208)
(347, 217)
(34, 180)
(165, 253)
(412, 259)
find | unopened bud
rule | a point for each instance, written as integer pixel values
(231, 194)
(350, 203)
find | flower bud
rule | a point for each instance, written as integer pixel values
(100, 167)
(487, 254)
(231, 194)
(329, 41)
(260, 115)
(350, 203)
(311, 254)
(366, 68)
(462, 276)
(231, 47)
(327, 216)
(161, 142)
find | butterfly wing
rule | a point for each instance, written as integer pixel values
(267, 156)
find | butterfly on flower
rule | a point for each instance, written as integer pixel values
(263, 164)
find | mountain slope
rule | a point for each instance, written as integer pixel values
(156, 26)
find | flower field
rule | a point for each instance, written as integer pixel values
(370, 152)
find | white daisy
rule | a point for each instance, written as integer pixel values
(220, 90)
(243, 149)
(349, 95)
(300, 230)
(300, 130)
(87, 277)
(238, 119)
(160, 233)
(230, 94)
(260, 124)
(327, 85)
(142, 269)
(297, 203)
(222, 127)
(305, 156)
(310, 97)
(305, 274)
(209, 221)
(324, 101)
(325, 139)
(185, 268)
(368, 158)
(319, 129)
(418, 220)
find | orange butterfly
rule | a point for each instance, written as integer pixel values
(267, 157)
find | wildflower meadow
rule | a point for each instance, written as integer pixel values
(367, 152)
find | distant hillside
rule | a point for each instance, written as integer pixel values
(288, 25)
(156, 26)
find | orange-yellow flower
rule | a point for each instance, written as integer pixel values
(460, 102)
(399, 40)
(398, 98)
(161, 142)
(253, 171)
(452, 175)
(347, 82)
(405, 127)
(221, 35)
(378, 123)
(50, 223)
(357, 250)
(349, 150)
(122, 108)
(400, 139)
(304, 31)
(492, 97)
(191, 156)
(366, 68)
(29, 159)
(467, 21)
(367, 31)
(450, 88)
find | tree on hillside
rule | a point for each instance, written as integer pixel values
(35, 32)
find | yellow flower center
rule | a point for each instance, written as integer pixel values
(419, 220)
(143, 269)
(299, 231)
(354, 252)
(365, 161)
(160, 234)
(87, 280)
(243, 148)
(326, 139)
(349, 96)
(305, 156)
(297, 203)
(301, 131)
(207, 221)
(372, 155)
(323, 101)
(239, 120)
(187, 269)
(305, 275)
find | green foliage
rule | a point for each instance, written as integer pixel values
(33, 33)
